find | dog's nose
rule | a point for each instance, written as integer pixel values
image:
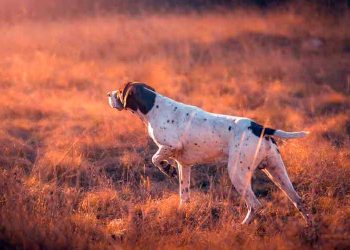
(109, 94)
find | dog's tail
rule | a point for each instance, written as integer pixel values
(290, 135)
(260, 130)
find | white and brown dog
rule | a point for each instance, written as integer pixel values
(190, 135)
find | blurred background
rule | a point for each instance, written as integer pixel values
(15, 9)
(75, 173)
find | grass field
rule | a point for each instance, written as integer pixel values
(75, 173)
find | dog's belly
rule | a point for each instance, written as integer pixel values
(204, 144)
(192, 155)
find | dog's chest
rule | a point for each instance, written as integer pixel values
(167, 128)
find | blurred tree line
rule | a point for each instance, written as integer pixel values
(21, 9)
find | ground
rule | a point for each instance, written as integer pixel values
(75, 173)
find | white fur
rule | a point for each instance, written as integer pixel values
(190, 135)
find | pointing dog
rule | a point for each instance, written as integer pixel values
(190, 135)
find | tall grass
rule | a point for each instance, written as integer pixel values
(76, 174)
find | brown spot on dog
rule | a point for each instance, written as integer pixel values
(259, 130)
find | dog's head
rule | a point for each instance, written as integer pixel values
(134, 96)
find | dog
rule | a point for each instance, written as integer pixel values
(190, 135)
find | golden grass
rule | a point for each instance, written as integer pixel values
(76, 174)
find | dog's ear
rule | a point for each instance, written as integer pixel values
(138, 96)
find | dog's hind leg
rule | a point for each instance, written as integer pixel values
(276, 171)
(240, 173)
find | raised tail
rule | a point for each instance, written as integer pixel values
(290, 135)
(259, 131)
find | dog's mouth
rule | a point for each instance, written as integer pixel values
(111, 102)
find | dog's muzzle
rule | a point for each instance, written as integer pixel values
(113, 100)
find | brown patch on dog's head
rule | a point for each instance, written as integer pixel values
(137, 96)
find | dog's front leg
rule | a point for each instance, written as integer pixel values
(184, 182)
(161, 157)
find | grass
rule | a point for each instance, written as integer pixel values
(76, 174)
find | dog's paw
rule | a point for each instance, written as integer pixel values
(167, 168)
(163, 163)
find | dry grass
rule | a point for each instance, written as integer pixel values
(76, 174)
